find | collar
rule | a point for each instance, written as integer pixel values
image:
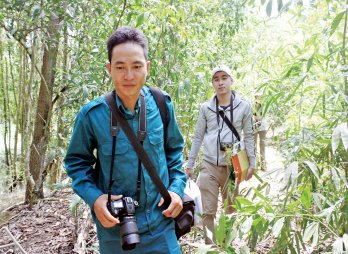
(236, 101)
(125, 110)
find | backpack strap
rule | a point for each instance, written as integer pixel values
(138, 148)
(115, 128)
(161, 104)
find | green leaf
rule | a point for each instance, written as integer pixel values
(306, 197)
(140, 20)
(244, 201)
(74, 203)
(231, 236)
(221, 229)
(277, 227)
(269, 8)
(310, 62)
(336, 22)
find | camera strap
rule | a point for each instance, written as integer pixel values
(114, 129)
(225, 119)
(137, 146)
(230, 125)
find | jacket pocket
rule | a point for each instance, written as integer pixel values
(121, 163)
(156, 137)
(121, 147)
(156, 147)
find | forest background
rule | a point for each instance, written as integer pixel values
(52, 61)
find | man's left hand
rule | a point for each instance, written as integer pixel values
(250, 173)
(175, 206)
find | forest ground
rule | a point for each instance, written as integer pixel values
(49, 227)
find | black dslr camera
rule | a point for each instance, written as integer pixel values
(124, 210)
(225, 145)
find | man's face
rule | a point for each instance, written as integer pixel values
(128, 70)
(222, 83)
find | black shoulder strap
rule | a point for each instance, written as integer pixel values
(161, 104)
(142, 155)
(230, 125)
(114, 129)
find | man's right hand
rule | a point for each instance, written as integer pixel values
(102, 212)
(189, 172)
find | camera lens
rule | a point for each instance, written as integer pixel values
(129, 233)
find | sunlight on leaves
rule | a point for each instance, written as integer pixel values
(245, 250)
(277, 227)
(290, 175)
(340, 245)
(340, 176)
(327, 213)
(246, 226)
(336, 22)
(311, 230)
(201, 247)
(344, 135)
(313, 168)
(340, 132)
(209, 233)
(335, 178)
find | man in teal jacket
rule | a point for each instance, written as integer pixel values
(128, 68)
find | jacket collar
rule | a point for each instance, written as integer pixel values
(236, 101)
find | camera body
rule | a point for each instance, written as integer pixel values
(122, 207)
(225, 145)
(124, 210)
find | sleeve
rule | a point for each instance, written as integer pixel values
(174, 145)
(79, 160)
(198, 137)
(249, 136)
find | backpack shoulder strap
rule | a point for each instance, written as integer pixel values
(161, 104)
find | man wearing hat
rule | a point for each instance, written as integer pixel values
(214, 133)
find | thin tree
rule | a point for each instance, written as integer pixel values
(41, 135)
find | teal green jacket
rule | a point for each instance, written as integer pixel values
(91, 139)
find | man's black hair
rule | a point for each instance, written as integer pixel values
(127, 34)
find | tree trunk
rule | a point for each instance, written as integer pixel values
(19, 106)
(40, 140)
(26, 112)
(56, 163)
(4, 70)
